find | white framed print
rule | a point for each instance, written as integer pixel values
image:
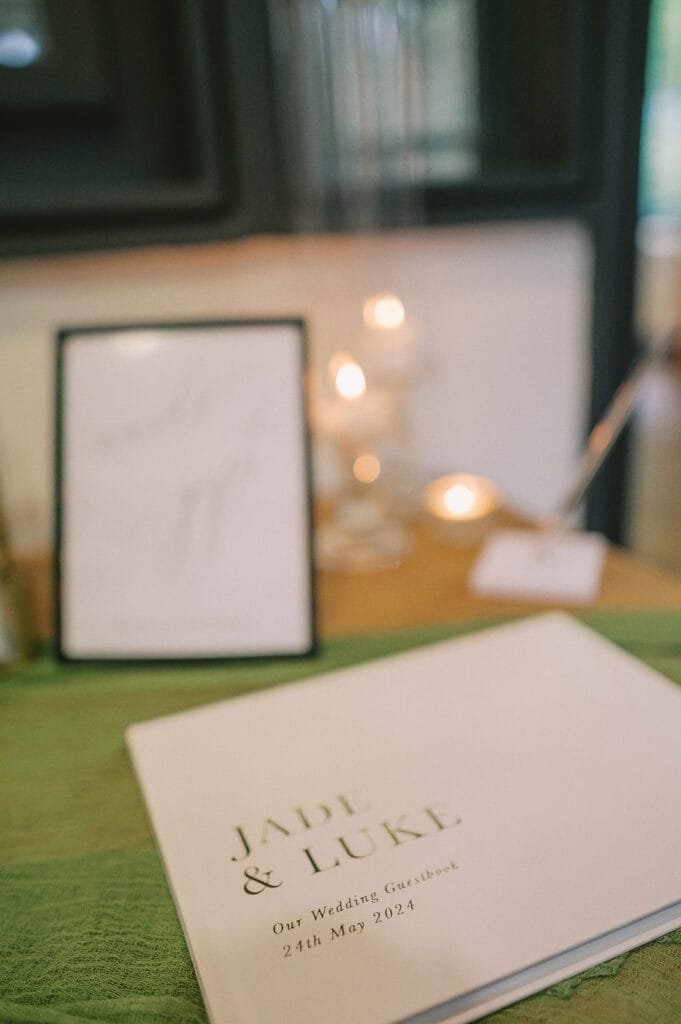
(183, 494)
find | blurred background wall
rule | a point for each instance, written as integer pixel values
(500, 314)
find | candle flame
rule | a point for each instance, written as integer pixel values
(350, 381)
(458, 499)
(461, 497)
(384, 311)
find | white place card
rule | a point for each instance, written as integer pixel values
(528, 565)
(440, 832)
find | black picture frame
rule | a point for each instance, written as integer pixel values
(183, 492)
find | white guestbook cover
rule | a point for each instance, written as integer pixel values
(446, 830)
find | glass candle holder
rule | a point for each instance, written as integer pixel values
(364, 424)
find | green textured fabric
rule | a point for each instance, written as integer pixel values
(88, 930)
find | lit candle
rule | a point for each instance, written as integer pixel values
(389, 339)
(357, 411)
(461, 506)
(348, 376)
(385, 311)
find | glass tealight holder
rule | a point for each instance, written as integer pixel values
(366, 528)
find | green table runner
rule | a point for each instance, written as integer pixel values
(88, 931)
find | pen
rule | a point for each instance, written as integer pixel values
(604, 434)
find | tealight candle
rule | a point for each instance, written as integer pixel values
(461, 506)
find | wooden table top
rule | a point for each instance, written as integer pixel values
(429, 587)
